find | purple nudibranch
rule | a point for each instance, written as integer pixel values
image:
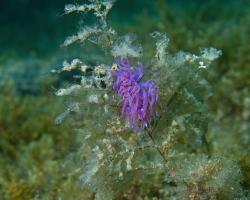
(139, 99)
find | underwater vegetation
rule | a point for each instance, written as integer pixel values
(156, 131)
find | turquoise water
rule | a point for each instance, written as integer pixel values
(32, 145)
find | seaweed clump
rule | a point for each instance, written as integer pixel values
(175, 157)
(161, 160)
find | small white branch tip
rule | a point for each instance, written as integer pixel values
(100, 8)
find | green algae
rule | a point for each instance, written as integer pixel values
(32, 146)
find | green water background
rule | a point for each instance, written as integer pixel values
(30, 36)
